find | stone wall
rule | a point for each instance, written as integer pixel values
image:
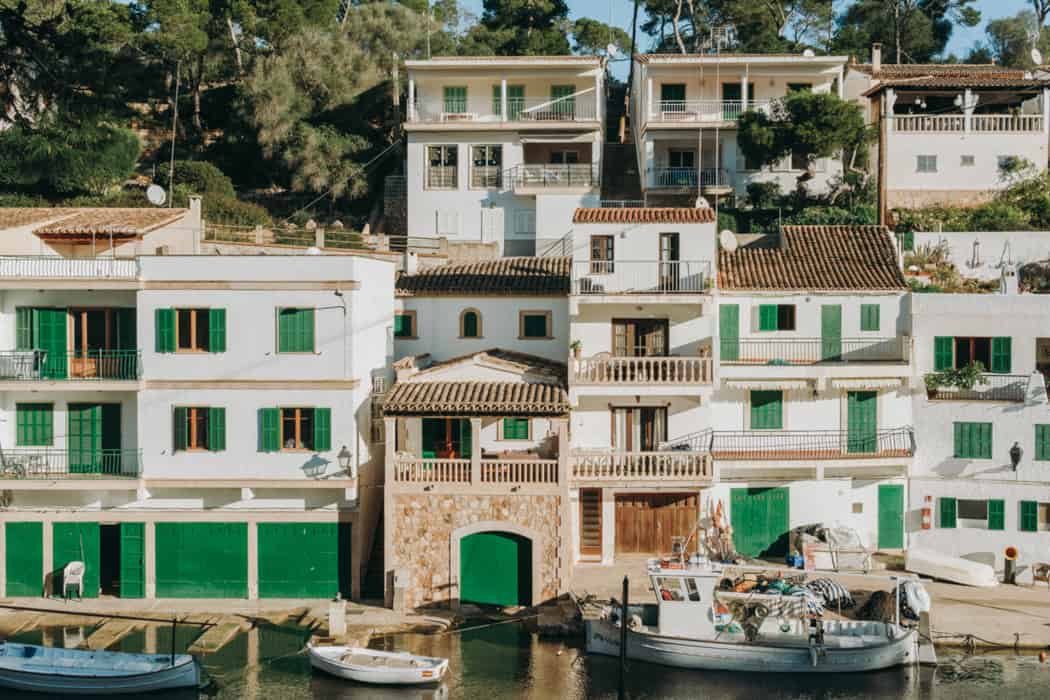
(920, 199)
(422, 539)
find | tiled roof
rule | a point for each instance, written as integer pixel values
(949, 76)
(105, 221)
(526, 276)
(816, 258)
(13, 217)
(507, 359)
(648, 215)
(476, 398)
(729, 57)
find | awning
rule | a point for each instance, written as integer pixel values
(771, 384)
(867, 383)
(558, 138)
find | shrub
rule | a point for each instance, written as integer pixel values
(999, 216)
(727, 220)
(830, 216)
(762, 195)
(230, 210)
(17, 199)
(91, 159)
(198, 177)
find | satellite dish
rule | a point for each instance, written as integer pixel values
(1037, 56)
(313, 250)
(808, 53)
(728, 240)
(156, 195)
(611, 50)
(702, 203)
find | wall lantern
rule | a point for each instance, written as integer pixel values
(1015, 455)
(344, 458)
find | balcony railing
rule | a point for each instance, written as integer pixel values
(413, 470)
(591, 277)
(809, 351)
(44, 463)
(991, 387)
(633, 371)
(705, 110)
(553, 175)
(641, 466)
(432, 471)
(811, 444)
(42, 365)
(689, 177)
(956, 123)
(519, 471)
(54, 267)
(576, 108)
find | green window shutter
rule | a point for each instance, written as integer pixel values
(947, 512)
(515, 428)
(216, 428)
(306, 329)
(216, 330)
(180, 428)
(455, 100)
(34, 424)
(942, 353)
(470, 325)
(869, 317)
(497, 100)
(295, 330)
(269, 429)
(164, 329)
(1042, 443)
(402, 326)
(729, 332)
(767, 410)
(908, 240)
(767, 317)
(23, 328)
(972, 440)
(535, 326)
(1001, 355)
(1029, 516)
(322, 429)
(996, 514)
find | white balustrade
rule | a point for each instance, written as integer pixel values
(671, 465)
(642, 370)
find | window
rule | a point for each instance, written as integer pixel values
(994, 354)
(199, 428)
(534, 325)
(639, 428)
(515, 429)
(442, 167)
(767, 410)
(979, 513)
(564, 157)
(35, 423)
(776, 317)
(799, 161)
(405, 325)
(748, 165)
(671, 92)
(602, 253)
(1042, 442)
(563, 102)
(455, 101)
(692, 589)
(926, 164)
(515, 101)
(486, 166)
(869, 317)
(966, 161)
(190, 330)
(295, 330)
(295, 429)
(670, 588)
(971, 509)
(470, 324)
(947, 512)
(1034, 516)
(525, 222)
(973, 440)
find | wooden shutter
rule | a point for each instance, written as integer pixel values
(942, 353)
(973, 440)
(766, 410)
(34, 424)
(216, 330)
(455, 99)
(1029, 516)
(164, 329)
(729, 332)
(322, 429)
(869, 317)
(996, 514)
(24, 328)
(767, 317)
(179, 427)
(306, 330)
(269, 429)
(216, 428)
(947, 512)
(1001, 355)
(1042, 442)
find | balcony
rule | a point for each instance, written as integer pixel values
(598, 277)
(493, 472)
(990, 387)
(641, 371)
(674, 466)
(958, 124)
(45, 463)
(811, 444)
(701, 111)
(811, 351)
(578, 108)
(84, 365)
(54, 267)
(713, 180)
(531, 178)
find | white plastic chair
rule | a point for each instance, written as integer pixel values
(73, 575)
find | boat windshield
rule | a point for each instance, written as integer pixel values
(692, 589)
(669, 588)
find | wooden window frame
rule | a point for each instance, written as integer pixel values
(604, 244)
(192, 443)
(311, 351)
(535, 312)
(298, 428)
(462, 329)
(415, 328)
(194, 340)
(502, 436)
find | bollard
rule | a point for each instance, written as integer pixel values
(337, 616)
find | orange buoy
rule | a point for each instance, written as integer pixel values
(1042, 657)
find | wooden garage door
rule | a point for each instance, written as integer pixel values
(646, 522)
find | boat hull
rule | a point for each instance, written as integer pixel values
(604, 638)
(185, 674)
(376, 676)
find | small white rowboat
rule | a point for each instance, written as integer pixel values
(33, 668)
(377, 667)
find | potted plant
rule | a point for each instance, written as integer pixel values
(962, 378)
(576, 346)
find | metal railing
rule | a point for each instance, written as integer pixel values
(622, 204)
(28, 365)
(690, 177)
(705, 110)
(51, 463)
(641, 370)
(808, 351)
(640, 276)
(519, 471)
(811, 444)
(432, 471)
(675, 465)
(442, 177)
(990, 387)
(54, 267)
(956, 123)
(553, 175)
(573, 108)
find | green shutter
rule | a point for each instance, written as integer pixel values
(132, 560)
(535, 326)
(402, 326)
(996, 514)
(50, 325)
(216, 428)
(942, 353)
(908, 240)
(216, 330)
(455, 100)
(729, 332)
(564, 102)
(767, 317)
(497, 100)
(295, 330)
(1001, 355)
(306, 329)
(470, 324)
(1042, 443)
(947, 512)
(269, 429)
(34, 423)
(24, 328)
(767, 410)
(861, 422)
(869, 317)
(830, 332)
(973, 440)
(1029, 516)
(322, 429)
(891, 516)
(24, 558)
(180, 428)
(515, 428)
(76, 542)
(466, 448)
(164, 329)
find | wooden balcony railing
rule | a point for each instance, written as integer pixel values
(811, 444)
(42, 365)
(50, 463)
(672, 465)
(642, 370)
(808, 351)
(991, 387)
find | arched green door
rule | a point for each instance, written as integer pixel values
(495, 568)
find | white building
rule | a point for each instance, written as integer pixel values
(684, 115)
(502, 148)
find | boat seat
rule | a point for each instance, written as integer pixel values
(365, 660)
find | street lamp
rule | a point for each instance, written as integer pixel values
(344, 458)
(1015, 455)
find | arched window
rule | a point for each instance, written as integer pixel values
(470, 324)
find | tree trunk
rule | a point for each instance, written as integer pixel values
(897, 28)
(674, 25)
(197, 79)
(236, 46)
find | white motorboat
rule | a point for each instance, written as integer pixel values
(697, 626)
(33, 668)
(948, 568)
(377, 667)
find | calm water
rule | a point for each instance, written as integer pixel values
(507, 661)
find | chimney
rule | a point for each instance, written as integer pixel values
(1008, 281)
(411, 263)
(876, 57)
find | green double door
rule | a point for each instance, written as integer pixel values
(891, 516)
(76, 542)
(24, 558)
(495, 568)
(304, 560)
(760, 520)
(862, 432)
(202, 560)
(93, 442)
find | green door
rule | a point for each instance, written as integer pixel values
(93, 438)
(564, 102)
(76, 542)
(24, 558)
(729, 332)
(202, 560)
(830, 332)
(495, 568)
(515, 101)
(132, 560)
(891, 516)
(861, 421)
(51, 337)
(433, 430)
(760, 520)
(299, 560)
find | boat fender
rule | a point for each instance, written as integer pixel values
(635, 622)
(917, 597)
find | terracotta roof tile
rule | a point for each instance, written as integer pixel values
(816, 258)
(545, 276)
(648, 215)
(509, 359)
(13, 217)
(476, 398)
(104, 221)
(949, 76)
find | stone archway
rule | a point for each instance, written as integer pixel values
(534, 539)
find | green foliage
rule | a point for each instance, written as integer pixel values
(999, 216)
(229, 210)
(923, 27)
(727, 220)
(521, 28)
(198, 177)
(832, 216)
(1023, 206)
(762, 195)
(964, 378)
(591, 37)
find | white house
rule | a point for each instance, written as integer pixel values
(502, 148)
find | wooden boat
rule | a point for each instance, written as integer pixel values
(692, 626)
(377, 667)
(948, 568)
(33, 668)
